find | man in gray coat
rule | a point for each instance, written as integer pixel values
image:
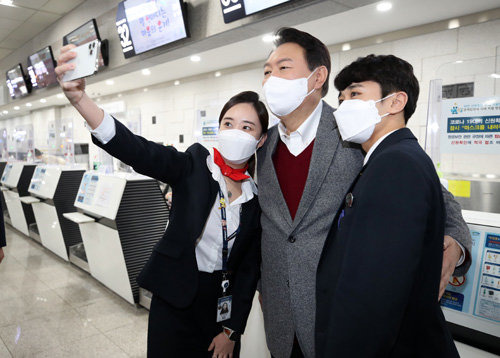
(304, 172)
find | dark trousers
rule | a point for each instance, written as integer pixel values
(187, 332)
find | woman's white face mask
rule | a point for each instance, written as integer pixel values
(236, 146)
(357, 119)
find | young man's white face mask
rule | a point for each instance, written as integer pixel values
(285, 96)
(356, 119)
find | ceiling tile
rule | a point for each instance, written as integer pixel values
(7, 25)
(15, 13)
(24, 33)
(10, 43)
(32, 4)
(4, 52)
(43, 18)
(61, 6)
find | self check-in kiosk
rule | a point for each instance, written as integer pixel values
(121, 217)
(16, 180)
(53, 189)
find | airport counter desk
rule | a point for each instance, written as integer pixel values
(16, 179)
(471, 303)
(53, 189)
(121, 217)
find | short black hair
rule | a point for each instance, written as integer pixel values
(38, 153)
(317, 53)
(390, 72)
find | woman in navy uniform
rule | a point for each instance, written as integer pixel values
(210, 252)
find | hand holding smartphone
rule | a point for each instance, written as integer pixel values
(86, 61)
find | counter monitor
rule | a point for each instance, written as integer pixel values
(143, 25)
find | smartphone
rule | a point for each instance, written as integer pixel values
(86, 61)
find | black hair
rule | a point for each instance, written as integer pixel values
(253, 99)
(390, 72)
(316, 52)
(37, 152)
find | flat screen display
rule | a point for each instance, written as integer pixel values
(16, 84)
(143, 25)
(84, 34)
(41, 68)
(233, 10)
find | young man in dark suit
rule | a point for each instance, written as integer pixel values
(379, 273)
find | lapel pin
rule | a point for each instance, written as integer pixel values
(349, 199)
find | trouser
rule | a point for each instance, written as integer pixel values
(187, 332)
(296, 350)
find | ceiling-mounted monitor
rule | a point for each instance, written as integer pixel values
(143, 25)
(233, 10)
(86, 33)
(16, 82)
(41, 66)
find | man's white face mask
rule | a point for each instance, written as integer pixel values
(356, 119)
(285, 96)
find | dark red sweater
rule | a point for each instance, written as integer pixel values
(292, 174)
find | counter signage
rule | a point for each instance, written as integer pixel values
(6, 172)
(87, 189)
(478, 293)
(143, 25)
(37, 179)
(233, 10)
(471, 125)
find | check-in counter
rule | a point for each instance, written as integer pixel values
(121, 217)
(53, 190)
(16, 179)
(471, 303)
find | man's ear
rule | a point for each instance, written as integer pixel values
(320, 77)
(262, 141)
(398, 102)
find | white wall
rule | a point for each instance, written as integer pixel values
(432, 56)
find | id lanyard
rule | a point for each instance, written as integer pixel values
(225, 241)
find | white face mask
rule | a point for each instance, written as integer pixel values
(236, 146)
(285, 96)
(356, 119)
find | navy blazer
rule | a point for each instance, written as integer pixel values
(172, 270)
(379, 274)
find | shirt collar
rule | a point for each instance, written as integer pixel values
(306, 132)
(248, 187)
(374, 146)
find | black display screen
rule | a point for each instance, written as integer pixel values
(84, 34)
(143, 25)
(233, 10)
(16, 84)
(41, 68)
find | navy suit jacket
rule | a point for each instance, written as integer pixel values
(378, 277)
(172, 272)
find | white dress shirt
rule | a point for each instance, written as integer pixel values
(209, 244)
(367, 157)
(299, 140)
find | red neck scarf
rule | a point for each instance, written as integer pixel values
(235, 174)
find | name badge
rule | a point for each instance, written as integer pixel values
(224, 306)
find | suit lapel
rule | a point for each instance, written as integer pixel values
(325, 146)
(269, 180)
